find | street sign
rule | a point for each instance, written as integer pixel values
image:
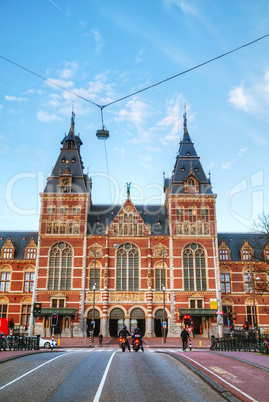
(220, 320)
(164, 324)
(219, 312)
(93, 324)
(190, 330)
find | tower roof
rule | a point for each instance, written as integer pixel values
(187, 166)
(69, 163)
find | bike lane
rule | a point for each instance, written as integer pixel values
(246, 382)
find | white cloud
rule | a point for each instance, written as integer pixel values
(228, 164)
(59, 82)
(15, 98)
(47, 117)
(138, 58)
(184, 5)
(99, 42)
(239, 99)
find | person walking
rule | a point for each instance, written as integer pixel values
(100, 338)
(184, 336)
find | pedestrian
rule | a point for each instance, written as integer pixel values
(100, 338)
(184, 336)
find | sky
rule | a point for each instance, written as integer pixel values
(106, 50)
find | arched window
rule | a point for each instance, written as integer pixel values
(5, 277)
(60, 267)
(127, 267)
(194, 265)
(160, 275)
(95, 268)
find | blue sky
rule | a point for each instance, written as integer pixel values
(104, 50)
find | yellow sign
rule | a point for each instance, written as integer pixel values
(213, 304)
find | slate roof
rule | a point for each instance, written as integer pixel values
(105, 214)
(187, 162)
(235, 242)
(69, 162)
(19, 239)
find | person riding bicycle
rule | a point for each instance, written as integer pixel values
(123, 334)
(184, 336)
(137, 334)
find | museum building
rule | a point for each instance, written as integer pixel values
(138, 265)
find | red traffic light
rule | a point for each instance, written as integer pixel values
(54, 320)
(187, 317)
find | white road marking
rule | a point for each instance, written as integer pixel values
(101, 386)
(29, 372)
(237, 389)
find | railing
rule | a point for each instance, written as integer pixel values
(19, 343)
(243, 341)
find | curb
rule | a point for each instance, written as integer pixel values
(218, 388)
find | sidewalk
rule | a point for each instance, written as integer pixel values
(68, 343)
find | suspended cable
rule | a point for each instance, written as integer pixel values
(141, 90)
(108, 174)
(51, 82)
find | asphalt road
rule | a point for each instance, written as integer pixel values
(101, 375)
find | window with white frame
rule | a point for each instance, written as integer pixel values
(60, 267)
(194, 267)
(127, 267)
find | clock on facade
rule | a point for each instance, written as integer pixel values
(65, 181)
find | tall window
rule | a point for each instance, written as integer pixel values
(94, 275)
(246, 254)
(225, 282)
(180, 214)
(194, 265)
(223, 254)
(247, 281)
(31, 253)
(192, 214)
(25, 314)
(250, 315)
(3, 310)
(5, 281)
(160, 276)
(60, 267)
(127, 267)
(29, 281)
(51, 210)
(7, 253)
(205, 215)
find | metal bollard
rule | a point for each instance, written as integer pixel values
(90, 345)
(190, 344)
(200, 342)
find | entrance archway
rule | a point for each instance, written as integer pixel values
(116, 318)
(96, 320)
(137, 320)
(158, 322)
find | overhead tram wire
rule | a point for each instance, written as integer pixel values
(141, 90)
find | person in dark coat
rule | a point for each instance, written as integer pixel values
(184, 336)
(100, 338)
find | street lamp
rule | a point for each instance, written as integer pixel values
(93, 300)
(251, 274)
(163, 287)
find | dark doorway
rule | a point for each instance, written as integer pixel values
(197, 326)
(138, 316)
(158, 323)
(115, 315)
(96, 321)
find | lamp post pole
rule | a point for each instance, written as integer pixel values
(93, 300)
(163, 286)
(253, 297)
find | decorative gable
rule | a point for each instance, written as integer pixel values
(160, 251)
(8, 250)
(128, 222)
(224, 251)
(246, 251)
(96, 250)
(30, 250)
(191, 184)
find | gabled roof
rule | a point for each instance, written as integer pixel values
(187, 163)
(20, 241)
(235, 242)
(101, 216)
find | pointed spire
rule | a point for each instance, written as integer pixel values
(185, 119)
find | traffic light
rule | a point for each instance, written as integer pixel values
(231, 327)
(246, 326)
(187, 320)
(37, 309)
(54, 320)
